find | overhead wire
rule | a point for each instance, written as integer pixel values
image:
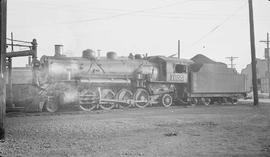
(148, 12)
(131, 12)
(219, 25)
(142, 12)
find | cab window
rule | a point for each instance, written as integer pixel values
(178, 68)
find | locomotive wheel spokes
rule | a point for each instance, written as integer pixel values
(122, 95)
(225, 100)
(142, 98)
(51, 104)
(206, 101)
(220, 101)
(107, 94)
(233, 100)
(166, 100)
(88, 99)
(193, 101)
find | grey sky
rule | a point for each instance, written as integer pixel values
(215, 28)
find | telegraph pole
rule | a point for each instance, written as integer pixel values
(268, 60)
(178, 49)
(253, 54)
(232, 59)
(3, 27)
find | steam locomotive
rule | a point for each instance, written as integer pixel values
(134, 81)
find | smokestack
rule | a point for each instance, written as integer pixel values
(58, 50)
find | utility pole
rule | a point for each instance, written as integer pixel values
(268, 60)
(253, 54)
(178, 49)
(3, 30)
(231, 59)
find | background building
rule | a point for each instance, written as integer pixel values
(262, 80)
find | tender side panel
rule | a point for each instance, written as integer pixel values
(217, 83)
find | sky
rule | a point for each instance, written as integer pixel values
(215, 28)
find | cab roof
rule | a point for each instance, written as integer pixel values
(170, 60)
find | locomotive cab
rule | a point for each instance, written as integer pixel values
(171, 70)
(172, 80)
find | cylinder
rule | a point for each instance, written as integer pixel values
(58, 50)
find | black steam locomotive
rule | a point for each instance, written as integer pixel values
(117, 82)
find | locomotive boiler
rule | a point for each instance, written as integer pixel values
(92, 82)
(107, 82)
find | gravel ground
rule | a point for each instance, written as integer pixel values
(227, 130)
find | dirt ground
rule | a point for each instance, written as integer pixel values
(208, 131)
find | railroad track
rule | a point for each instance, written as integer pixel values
(71, 111)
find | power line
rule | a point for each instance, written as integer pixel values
(131, 12)
(77, 5)
(142, 12)
(267, 41)
(231, 60)
(219, 25)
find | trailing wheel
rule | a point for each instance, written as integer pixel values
(141, 98)
(107, 94)
(123, 95)
(51, 104)
(206, 101)
(166, 100)
(193, 101)
(88, 99)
